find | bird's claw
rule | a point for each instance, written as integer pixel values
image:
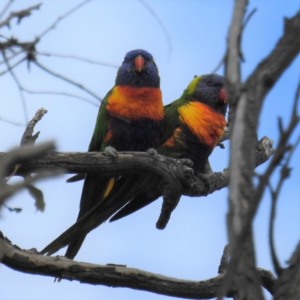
(153, 153)
(110, 151)
(204, 178)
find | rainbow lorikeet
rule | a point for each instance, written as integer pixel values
(193, 126)
(129, 119)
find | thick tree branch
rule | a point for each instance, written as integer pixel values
(162, 168)
(111, 275)
(251, 98)
(232, 57)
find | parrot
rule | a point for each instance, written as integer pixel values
(193, 126)
(130, 118)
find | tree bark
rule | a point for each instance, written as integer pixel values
(30, 261)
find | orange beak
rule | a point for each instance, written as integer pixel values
(139, 63)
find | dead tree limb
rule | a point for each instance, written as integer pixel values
(243, 198)
(31, 262)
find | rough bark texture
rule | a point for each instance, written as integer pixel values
(32, 262)
(249, 98)
(162, 168)
(288, 287)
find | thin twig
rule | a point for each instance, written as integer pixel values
(18, 84)
(15, 53)
(62, 94)
(161, 24)
(250, 15)
(219, 65)
(78, 85)
(13, 66)
(285, 170)
(9, 3)
(11, 122)
(296, 100)
(79, 58)
(243, 28)
(52, 26)
(284, 174)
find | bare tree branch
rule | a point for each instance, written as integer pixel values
(18, 85)
(9, 3)
(28, 138)
(115, 275)
(136, 162)
(61, 94)
(219, 65)
(78, 85)
(240, 187)
(59, 19)
(284, 174)
(101, 63)
(161, 24)
(169, 172)
(13, 66)
(241, 55)
(17, 157)
(287, 287)
(232, 64)
(9, 190)
(29, 48)
(251, 98)
(249, 16)
(11, 122)
(13, 55)
(18, 14)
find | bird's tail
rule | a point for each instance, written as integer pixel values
(99, 213)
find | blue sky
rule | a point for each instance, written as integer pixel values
(191, 245)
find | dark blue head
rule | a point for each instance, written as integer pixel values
(209, 89)
(138, 69)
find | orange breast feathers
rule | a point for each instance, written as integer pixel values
(204, 122)
(136, 102)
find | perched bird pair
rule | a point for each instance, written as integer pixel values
(132, 118)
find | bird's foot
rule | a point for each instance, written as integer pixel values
(204, 178)
(110, 151)
(153, 153)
